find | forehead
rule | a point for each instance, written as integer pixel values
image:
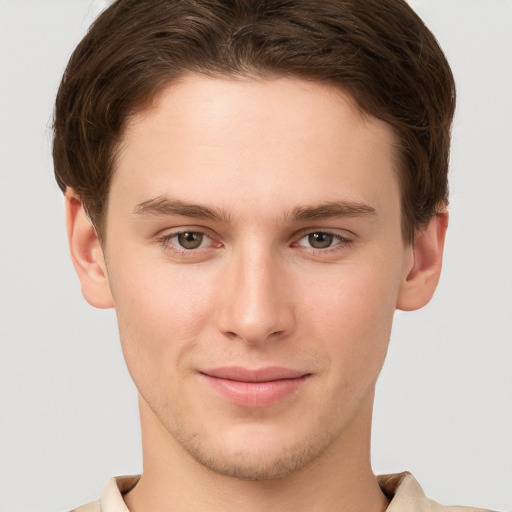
(223, 140)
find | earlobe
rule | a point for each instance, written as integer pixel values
(87, 254)
(421, 278)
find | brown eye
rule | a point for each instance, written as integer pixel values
(320, 240)
(190, 239)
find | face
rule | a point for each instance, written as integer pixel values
(254, 255)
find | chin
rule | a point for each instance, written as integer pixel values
(259, 467)
(257, 455)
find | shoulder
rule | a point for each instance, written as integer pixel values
(406, 495)
(94, 506)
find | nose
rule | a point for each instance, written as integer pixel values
(256, 301)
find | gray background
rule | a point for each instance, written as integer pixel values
(68, 417)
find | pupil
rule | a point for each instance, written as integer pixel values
(190, 240)
(320, 240)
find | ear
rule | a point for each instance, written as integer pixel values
(422, 275)
(87, 254)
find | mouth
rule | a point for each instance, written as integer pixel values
(255, 388)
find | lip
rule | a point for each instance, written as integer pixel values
(254, 387)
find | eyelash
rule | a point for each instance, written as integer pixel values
(166, 243)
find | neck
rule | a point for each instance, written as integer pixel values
(340, 479)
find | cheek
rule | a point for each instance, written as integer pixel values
(160, 315)
(350, 315)
(352, 295)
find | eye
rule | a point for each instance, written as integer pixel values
(187, 242)
(322, 240)
(190, 239)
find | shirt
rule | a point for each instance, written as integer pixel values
(402, 489)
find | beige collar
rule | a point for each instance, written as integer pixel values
(402, 489)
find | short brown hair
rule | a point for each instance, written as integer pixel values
(377, 50)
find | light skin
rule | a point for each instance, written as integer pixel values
(253, 234)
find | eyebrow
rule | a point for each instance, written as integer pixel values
(332, 209)
(163, 205)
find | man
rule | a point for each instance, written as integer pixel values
(256, 187)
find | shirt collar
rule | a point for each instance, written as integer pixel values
(404, 492)
(112, 495)
(401, 489)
